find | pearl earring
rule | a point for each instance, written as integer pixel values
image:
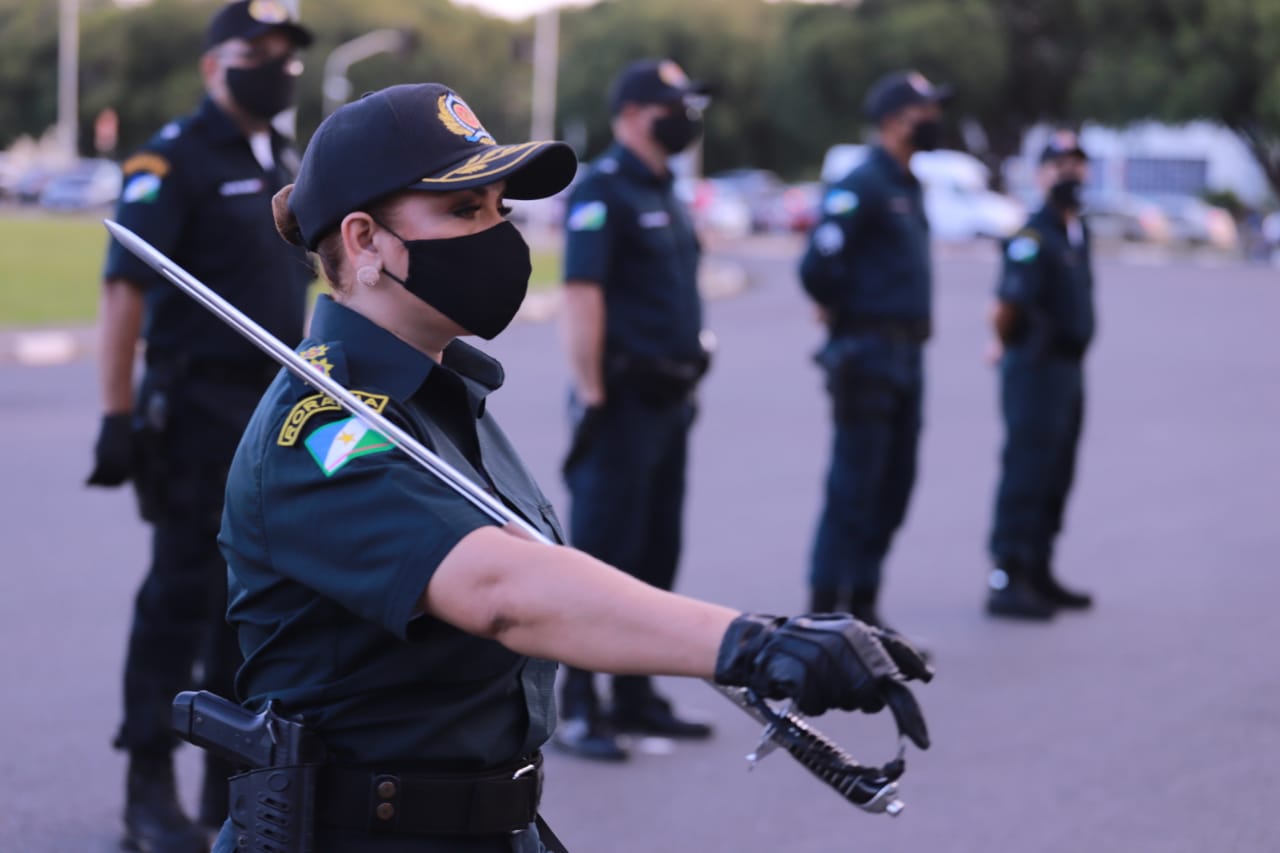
(368, 276)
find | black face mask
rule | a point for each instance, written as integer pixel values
(1065, 194)
(926, 135)
(264, 90)
(677, 131)
(477, 281)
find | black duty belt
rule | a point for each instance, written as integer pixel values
(425, 803)
(256, 373)
(1068, 350)
(895, 329)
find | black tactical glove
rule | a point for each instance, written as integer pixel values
(113, 454)
(825, 661)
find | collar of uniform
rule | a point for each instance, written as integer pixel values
(222, 128)
(375, 358)
(1048, 215)
(635, 168)
(889, 166)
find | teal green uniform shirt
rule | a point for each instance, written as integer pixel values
(331, 536)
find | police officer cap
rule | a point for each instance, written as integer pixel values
(413, 137)
(652, 81)
(1062, 143)
(899, 90)
(248, 19)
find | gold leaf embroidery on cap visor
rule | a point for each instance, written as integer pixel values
(487, 163)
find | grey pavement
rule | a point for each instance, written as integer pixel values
(1151, 724)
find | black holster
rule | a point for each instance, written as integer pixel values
(657, 382)
(273, 809)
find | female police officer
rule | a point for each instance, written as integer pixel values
(381, 608)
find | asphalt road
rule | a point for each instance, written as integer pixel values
(1150, 724)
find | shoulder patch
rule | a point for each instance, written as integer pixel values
(828, 239)
(587, 216)
(334, 445)
(309, 407)
(142, 187)
(1023, 248)
(145, 162)
(840, 202)
(172, 130)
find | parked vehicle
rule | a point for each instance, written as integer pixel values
(957, 198)
(1123, 216)
(759, 189)
(90, 184)
(1195, 222)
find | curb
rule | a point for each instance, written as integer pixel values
(49, 347)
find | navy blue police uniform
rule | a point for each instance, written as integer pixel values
(628, 233)
(868, 265)
(196, 192)
(331, 536)
(1048, 277)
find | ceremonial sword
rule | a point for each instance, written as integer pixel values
(873, 789)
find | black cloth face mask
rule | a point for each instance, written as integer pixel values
(264, 90)
(677, 131)
(477, 281)
(926, 135)
(1065, 194)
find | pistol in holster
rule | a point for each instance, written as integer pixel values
(273, 802)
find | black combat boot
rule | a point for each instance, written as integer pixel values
(637, 708)
(1011, 594)
(1058, 595)
(582, 730)
(154, 821)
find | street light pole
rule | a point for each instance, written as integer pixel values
(68, 71)
(336, 86)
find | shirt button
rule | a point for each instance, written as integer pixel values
(385, 811)
(386, 790)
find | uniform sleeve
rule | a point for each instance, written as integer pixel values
(356, 520)
(1022, 276)
(824, 267)
(590, 228)
(154, 206)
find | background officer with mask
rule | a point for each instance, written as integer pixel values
(632, 321)
(1044, 321)
(867, 267)
(200, 191)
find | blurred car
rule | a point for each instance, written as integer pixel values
(759, 189)
(714, 208)
(28, 185)
(957, 198)
(1114, 215)
(798, 207)
(90, 184)
(1195, 222)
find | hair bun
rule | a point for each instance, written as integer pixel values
(286, 222)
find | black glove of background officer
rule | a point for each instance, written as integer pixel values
(825, 661)
(113, 453)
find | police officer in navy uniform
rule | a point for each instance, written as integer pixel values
(199, 190)
(632, 320)
(868, 268)
(1043, 321)
(381, 608)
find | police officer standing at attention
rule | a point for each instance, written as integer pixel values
(199, 190)
(1044, 321)
(379, 607)
(632, 321)
(868, 269)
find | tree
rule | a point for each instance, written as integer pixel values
(1179, 60)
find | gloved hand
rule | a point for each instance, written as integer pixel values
(113, 453)
(825, 661)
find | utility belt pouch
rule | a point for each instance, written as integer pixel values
(273, 809)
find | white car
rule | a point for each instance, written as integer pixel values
(956, 196)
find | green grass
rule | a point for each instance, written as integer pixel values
(50, 267)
